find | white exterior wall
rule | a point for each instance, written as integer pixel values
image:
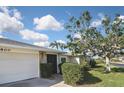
(70, 59)
(43, 57)
(73, 59)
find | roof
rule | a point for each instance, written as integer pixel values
(17, 44)
(70, 54)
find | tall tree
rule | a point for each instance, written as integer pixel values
(83, 37)
(112, 42)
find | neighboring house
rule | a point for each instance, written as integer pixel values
(70, 58)
(19, 61)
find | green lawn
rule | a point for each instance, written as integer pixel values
(97, 78)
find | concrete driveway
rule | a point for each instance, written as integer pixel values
(38, 82)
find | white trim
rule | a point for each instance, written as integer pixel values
(37, 48)
(19, 50)
(57, 63)
(38, 65)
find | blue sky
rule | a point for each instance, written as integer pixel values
(59, 15)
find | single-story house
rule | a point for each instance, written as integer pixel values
(19, 61)
(70, 58)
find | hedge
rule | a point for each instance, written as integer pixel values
(72, 73)
(46, 70)
(91, 62)
(60, 67)
(99, 61)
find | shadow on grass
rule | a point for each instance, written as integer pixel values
(90, 79)
(117, 69)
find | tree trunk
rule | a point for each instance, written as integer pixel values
(80, 59)
(108, 68)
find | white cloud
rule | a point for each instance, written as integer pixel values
(4, 9)
(13, 12)
(101, 15)
(17, 14)
(47, 22)
(1, 36)
(38, 39)
(122, 17)
(77, 36)
(10, 22)
(96, 23)
(60, 41)
(31, 35)
(43, 44)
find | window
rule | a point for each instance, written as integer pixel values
(63, 59)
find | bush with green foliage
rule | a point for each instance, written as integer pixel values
(86, 67)
(99, 61)
(60, 68)
(46, 70)
(87, 63)
(72, 73)
(91, 62)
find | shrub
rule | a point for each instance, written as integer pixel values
(85, 65)
(60, 68)
(99, 61)
(72, 73)
(115, 69)
(91, 62)
(46, 70)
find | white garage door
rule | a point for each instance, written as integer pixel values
(18, 66)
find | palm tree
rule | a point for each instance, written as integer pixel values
(55, 44)
(62, 46)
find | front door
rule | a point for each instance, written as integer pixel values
(53, 60)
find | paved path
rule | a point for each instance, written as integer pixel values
(118, 64)
(38, 82)
(61, 84)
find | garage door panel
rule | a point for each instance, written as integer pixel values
(18, 66)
